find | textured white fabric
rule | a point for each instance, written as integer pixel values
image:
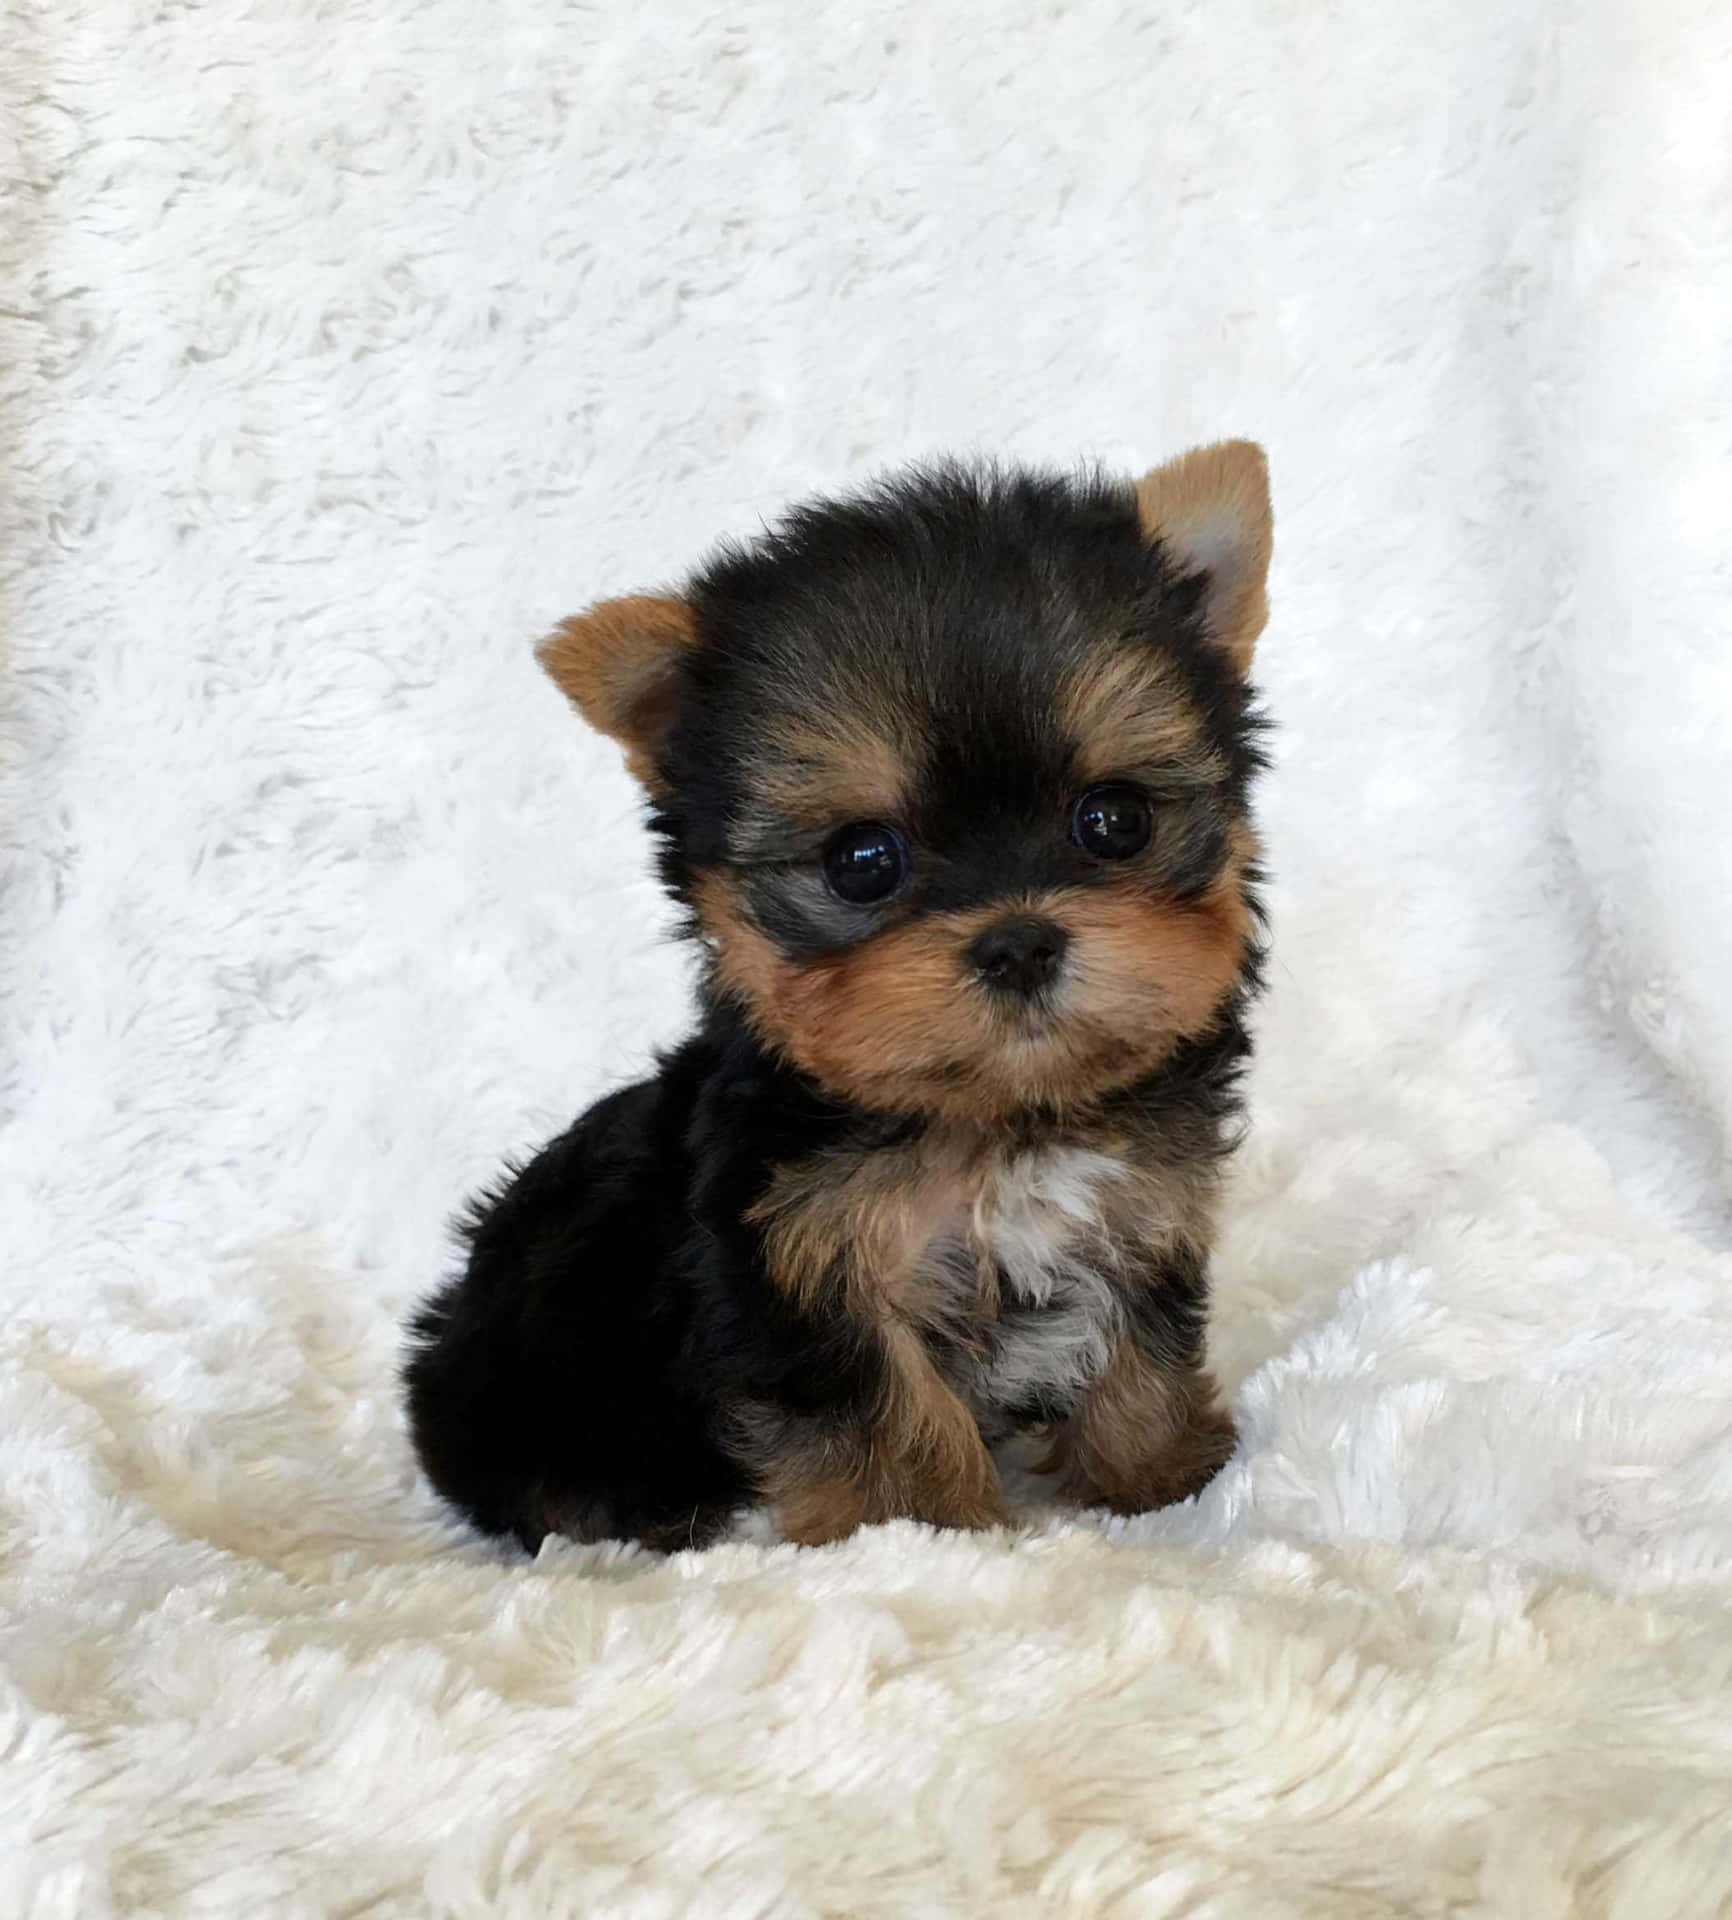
(341, 350)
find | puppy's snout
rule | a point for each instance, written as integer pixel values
(1019, 956)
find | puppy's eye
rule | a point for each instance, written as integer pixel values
(865, 863)
(1112, 823)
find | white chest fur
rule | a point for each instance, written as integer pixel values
(1039, 1230)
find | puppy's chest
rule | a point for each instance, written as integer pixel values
(1016, 1267)
(1019, 1291)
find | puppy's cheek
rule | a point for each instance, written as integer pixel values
(894, 1008)
(868, 1022)
(746, 960)
(1155, 970)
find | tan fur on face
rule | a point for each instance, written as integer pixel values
(1210, 510)
(618, 664)
(1128, 710)
(815, 778)
(1144, 1436)
(899, 1023)
(1137, 960)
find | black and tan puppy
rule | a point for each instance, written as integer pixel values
(952, 778)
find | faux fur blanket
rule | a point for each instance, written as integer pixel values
(342, 349)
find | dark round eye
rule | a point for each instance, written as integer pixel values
(865, 863)
(1112, 823)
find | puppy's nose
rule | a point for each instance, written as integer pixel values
(1021, 955)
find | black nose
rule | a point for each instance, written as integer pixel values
(1020, 956)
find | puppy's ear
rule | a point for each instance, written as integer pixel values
(1209, 510)
(620, 665)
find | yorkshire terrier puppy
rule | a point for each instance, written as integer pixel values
(951, 778)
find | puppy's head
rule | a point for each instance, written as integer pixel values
(953, 774)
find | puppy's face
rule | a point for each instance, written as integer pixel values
(953, 775)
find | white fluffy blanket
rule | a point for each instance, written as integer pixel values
(342, 347)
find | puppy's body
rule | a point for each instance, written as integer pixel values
(953, 780)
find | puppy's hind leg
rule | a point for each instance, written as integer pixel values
(544, 1384)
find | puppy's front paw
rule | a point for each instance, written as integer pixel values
(1192, 1459)
(819, 1511)
(1151, 1447)
(970, 1509)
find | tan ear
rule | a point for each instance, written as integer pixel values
(619, 665)
(1209, 509)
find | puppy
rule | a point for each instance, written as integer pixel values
(951, 778)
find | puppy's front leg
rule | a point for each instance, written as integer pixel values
(919, 1457)
(1148, 1433)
